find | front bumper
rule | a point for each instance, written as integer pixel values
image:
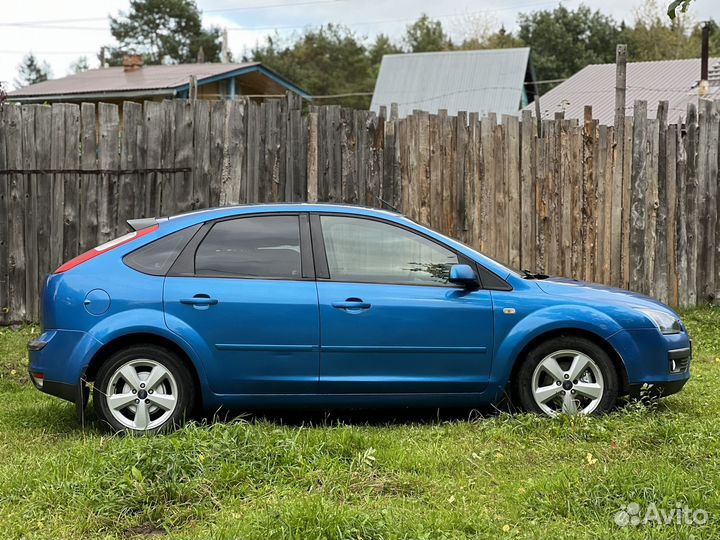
(658, 389)
(654, 360)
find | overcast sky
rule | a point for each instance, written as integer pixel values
(81, 26)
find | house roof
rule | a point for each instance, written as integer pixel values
(481, 81)
(674, 81)
(148, 80)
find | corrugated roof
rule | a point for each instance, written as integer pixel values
(672, 80)
(474, 81)
(146, 79)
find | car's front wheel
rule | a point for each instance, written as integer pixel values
(143, 388)
(567, 374)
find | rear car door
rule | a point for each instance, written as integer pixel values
(389, 320)
(246, 286)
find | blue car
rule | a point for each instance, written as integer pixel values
(312, 305)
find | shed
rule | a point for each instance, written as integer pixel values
(483, 81)
(675, 81)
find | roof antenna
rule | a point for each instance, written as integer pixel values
(387, 204)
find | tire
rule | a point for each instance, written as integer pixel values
(143, 389)
(581, 380)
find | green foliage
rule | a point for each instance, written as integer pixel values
(164, 32)
(565, 41)
(427, 35)
(79, 65)
(329, 60)
(676, 5)
(32, 71)
(390, 474)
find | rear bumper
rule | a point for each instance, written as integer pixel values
(60, 357)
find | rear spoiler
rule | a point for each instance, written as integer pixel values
(141, 223)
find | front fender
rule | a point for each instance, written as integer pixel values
(514, 332)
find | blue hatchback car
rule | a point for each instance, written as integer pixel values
(311, 305)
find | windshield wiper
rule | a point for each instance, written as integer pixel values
(534, 275)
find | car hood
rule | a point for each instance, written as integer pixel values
(595, 292)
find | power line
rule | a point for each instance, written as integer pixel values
(57, 24)
(51, 23)
(385, 21)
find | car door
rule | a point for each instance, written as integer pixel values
(389, 320)
(245, 287)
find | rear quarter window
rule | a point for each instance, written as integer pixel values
(157, 257)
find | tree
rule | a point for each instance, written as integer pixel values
(328, 60)
(79, 65)
(164, 32)
(427, 35)
(502, 39)
(32, 71)
(564, 41)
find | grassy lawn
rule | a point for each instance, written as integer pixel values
(382, 475)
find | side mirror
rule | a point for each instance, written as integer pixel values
(462, 274)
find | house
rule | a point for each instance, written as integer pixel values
(491, 80)
(675, 81)
(134, 81)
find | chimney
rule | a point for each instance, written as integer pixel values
(704, 87)
(132, 62)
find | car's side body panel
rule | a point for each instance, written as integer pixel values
(410, 339)
(261, 337)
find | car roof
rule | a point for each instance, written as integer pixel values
(211, 213)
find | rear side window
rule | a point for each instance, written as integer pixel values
(252, 247)
(157, 257)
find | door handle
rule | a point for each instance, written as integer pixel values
(199, 301)
(351, 304)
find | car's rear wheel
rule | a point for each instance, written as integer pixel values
(567, 374)
(143, 388)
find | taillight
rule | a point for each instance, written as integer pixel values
(103, 248)
(37, 378)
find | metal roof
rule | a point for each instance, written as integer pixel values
(149, 79)
(674, 81)
(475, 81)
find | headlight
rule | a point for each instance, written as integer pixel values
(667, 323)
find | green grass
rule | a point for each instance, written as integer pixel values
(381, 475)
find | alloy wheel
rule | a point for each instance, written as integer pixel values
(567, 381)
(142, 394)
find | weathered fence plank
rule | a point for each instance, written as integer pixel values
(32, 290)
(638, 208)
(16, 216)
(4, 248)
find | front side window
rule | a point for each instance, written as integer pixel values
(252, 247)
(364, 250)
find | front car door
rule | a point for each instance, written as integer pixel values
(246, 286)
(389, 320)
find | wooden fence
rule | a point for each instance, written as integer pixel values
(634, 206)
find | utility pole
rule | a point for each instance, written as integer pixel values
(704, 86)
